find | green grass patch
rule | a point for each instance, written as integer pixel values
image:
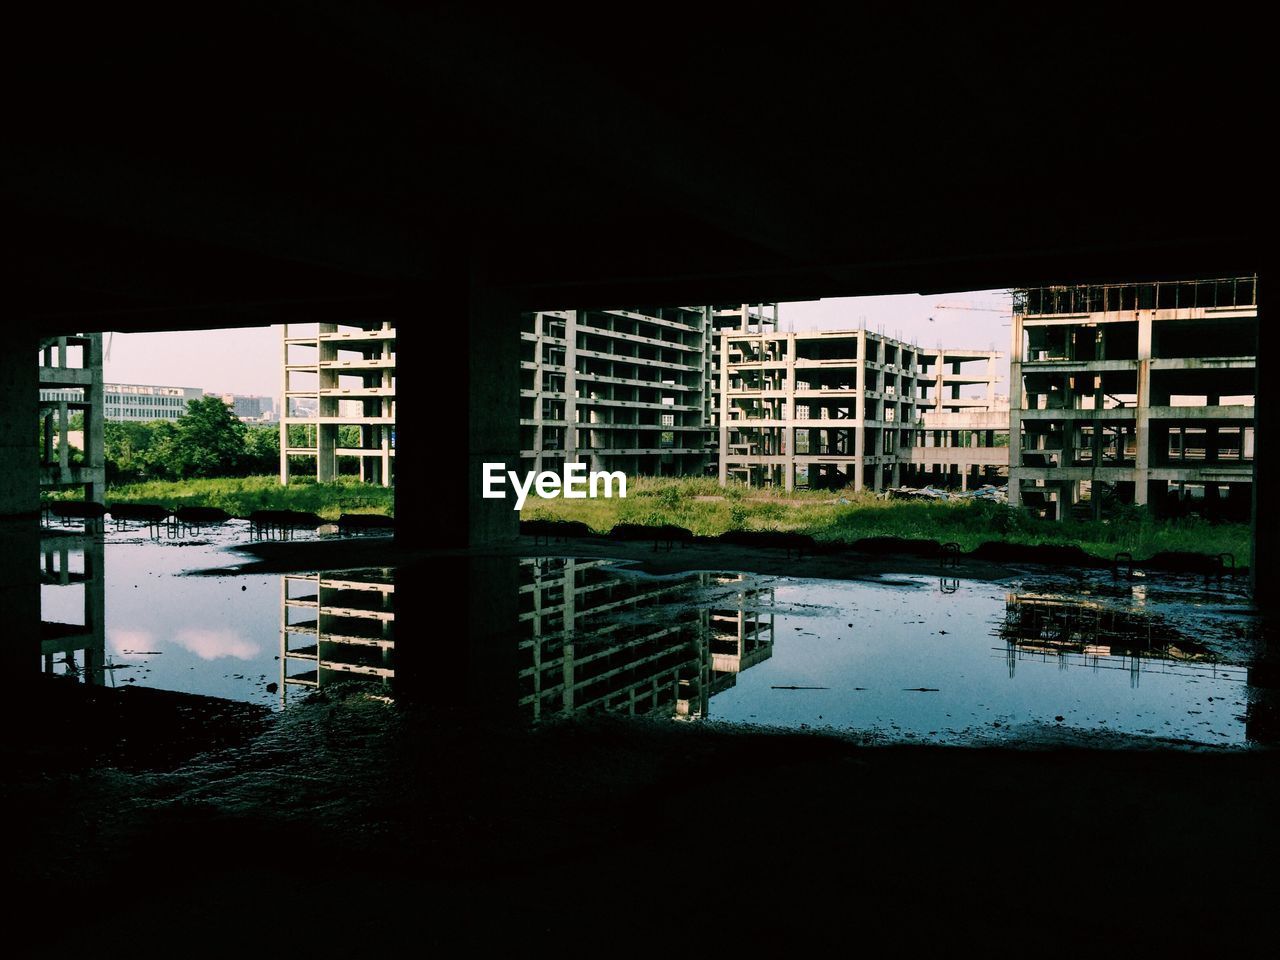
(240, 496)
(700, 505)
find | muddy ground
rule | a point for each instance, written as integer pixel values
(348, 825)
(144, 822)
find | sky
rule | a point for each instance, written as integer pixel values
(247, 361)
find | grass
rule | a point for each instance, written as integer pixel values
(700, 505)
(240, 496)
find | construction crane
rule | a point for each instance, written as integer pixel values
(969, 306)
(957, 305)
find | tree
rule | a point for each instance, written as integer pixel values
(209, 441)
(262, 450)
(127, 450)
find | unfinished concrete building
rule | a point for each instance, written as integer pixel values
(963, 431)
(590, 640)
(70, 383)
(338, 399)
(338, 625)
(1139, 393)
(823, 409)
(631, 390)
(73, 605)
(741, 318)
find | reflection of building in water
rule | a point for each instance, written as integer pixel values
(337, 625)
(592, 640)
(739, 636)
(71, 562)
(1096, 635)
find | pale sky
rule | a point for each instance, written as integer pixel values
(243, 360)
(248, 360)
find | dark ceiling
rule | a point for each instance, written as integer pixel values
(282, 159)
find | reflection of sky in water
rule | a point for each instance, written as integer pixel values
(202, 635)
(896, 645)
(872, 645)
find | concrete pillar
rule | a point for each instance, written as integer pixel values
(1015, 413)
(572, 438)
(722, 412)
(284, 405)
(1265, 568)
(789, 430)
(19, 504)
(860, 416)
(327, 433)
(95, 589)
(387, 406)
(440, 447)
(1142, 464)
(477, 673)
(94, 439)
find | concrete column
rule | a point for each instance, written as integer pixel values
(572, 439)
(477, 672)
(789, 430)
(938, 388)
(722, 412)
(20, 504)
(284, 404)
(326, 433)
(94, 439)
(860, 416)
(1015, 413)
(440, 447)
(1142, 463)
(1265, 568)
(95, 655)
(387, 406)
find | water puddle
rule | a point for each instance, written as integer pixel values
(907, 658)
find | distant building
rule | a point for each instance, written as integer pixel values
(141, 403)
(336, 376)
(629, 389)
(963, 427)
(825, 408)
(252, 408)
(1138, 393)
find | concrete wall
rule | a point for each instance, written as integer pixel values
(19, 505)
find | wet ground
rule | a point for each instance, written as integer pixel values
(596, 755)
(911, 657)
